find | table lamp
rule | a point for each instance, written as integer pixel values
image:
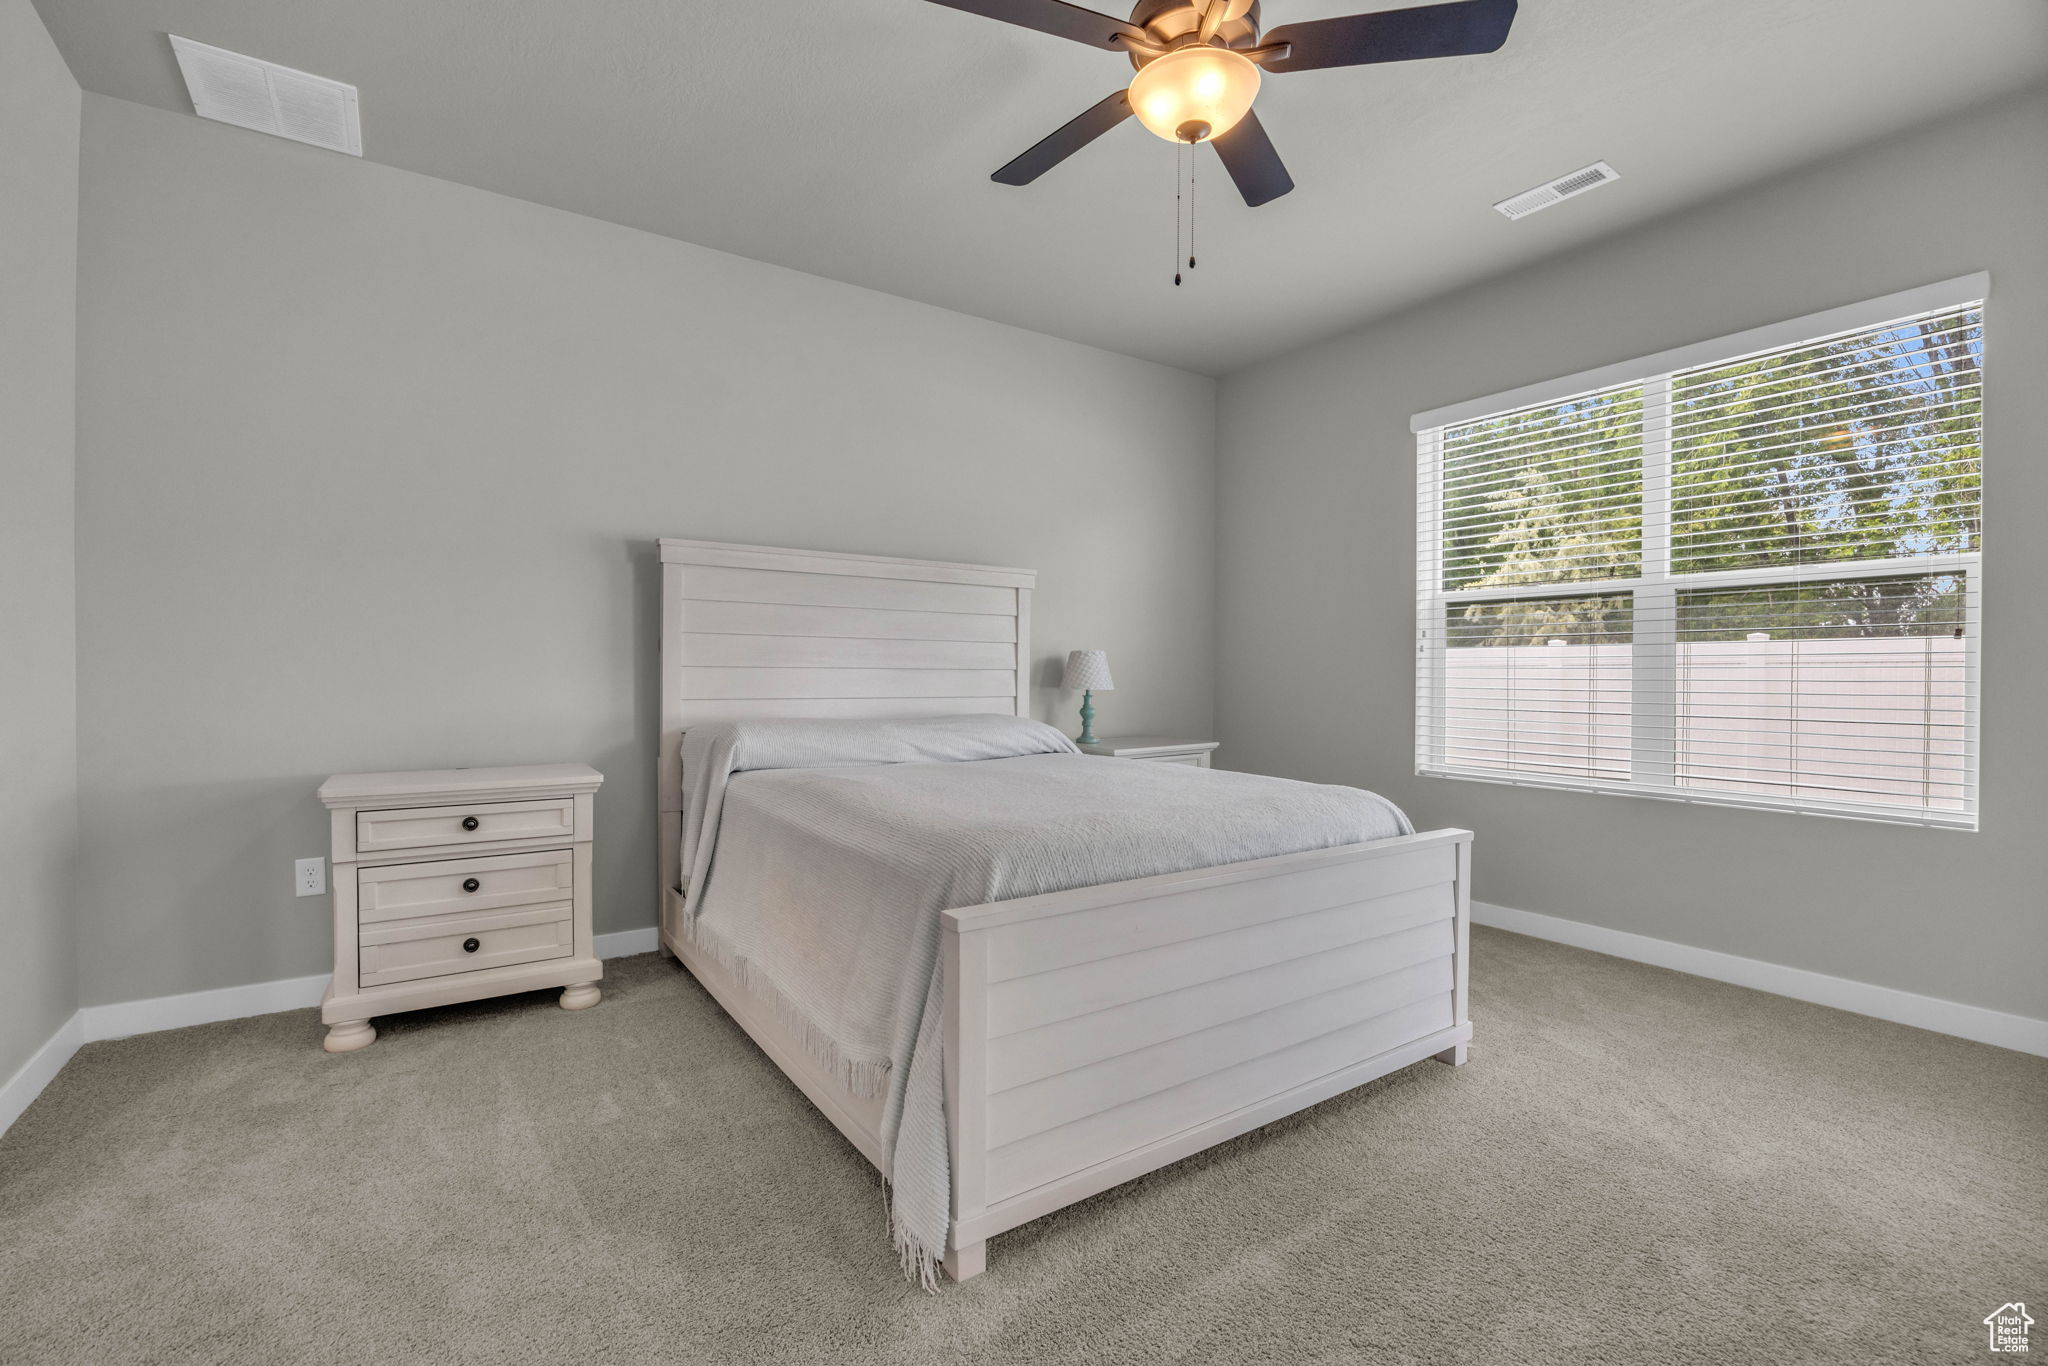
(1088, 670)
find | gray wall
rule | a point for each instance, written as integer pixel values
(39, 111)
(1317, 579)
(370, 465)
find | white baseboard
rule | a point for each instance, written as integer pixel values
(123, 1018)
(626, 943)
(32, 1076)
(2018, 1032)
(119, 1020)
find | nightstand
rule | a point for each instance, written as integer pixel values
(1158, 749)
(456, 884)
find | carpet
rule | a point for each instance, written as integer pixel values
(1636, 1166)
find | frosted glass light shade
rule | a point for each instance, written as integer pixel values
(1193, 94)
(1088, 669)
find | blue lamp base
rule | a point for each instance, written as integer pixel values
(1087, 735)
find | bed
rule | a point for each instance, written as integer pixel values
(1153, 963)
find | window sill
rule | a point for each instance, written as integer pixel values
(1963, 821)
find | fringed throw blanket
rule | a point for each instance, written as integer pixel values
(820, 853)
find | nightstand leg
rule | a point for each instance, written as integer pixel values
(582, 996)
(347, 1036)
(1455, 1056)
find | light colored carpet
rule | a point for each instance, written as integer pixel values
(1635, 1167)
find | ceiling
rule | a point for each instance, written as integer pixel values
(854, 138)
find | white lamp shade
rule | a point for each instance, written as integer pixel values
(1088, 669)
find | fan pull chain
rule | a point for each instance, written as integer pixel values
(1176, 212)
(1183, 187)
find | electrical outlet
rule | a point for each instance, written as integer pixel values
(310, 875)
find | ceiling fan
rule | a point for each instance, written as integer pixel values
(1199, 65)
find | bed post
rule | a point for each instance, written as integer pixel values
(668, 761)
(963, 961)
(1461, 966)
(1023, 652)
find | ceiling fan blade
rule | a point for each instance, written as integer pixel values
(1462, 29)
(1055, 17)
(1253, 164)
(1068, 139)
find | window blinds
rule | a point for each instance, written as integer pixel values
(1751, 579)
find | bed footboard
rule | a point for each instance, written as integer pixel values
(1087, 1049)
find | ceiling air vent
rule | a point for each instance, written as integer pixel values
(270, 98)
(1558, 190)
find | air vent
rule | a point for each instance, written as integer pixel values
(269, 98)
(1558, 190)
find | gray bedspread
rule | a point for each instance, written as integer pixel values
(820, 854)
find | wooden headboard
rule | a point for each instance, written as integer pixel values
(750, 631)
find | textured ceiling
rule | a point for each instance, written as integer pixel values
(854, 138)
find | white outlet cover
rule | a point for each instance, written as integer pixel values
(310, 876)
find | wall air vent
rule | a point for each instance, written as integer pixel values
(270, 98)
(1558, 190)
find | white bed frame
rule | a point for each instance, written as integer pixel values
(1094, 1035)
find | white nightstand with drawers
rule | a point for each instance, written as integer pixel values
(455, 884)
(1158, 749)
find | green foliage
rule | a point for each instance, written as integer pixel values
(1550, 495)
(1866, 447)
(1863, 447)
(1607, 619)
(1909, 605)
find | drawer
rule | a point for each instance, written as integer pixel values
(421, 827)
(407, 891)
(401, 951)
(1191, 760)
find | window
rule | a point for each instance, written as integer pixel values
(1745, 572)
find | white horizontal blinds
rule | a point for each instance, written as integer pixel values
(1754, 580)
(1860, 447)
(1544, 496)
(1835, 690)
(1841, 454)
(1538, 685)
(1547, 495)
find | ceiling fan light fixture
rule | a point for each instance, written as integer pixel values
(1194, 94)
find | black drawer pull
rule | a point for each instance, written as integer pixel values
(469, 822)
(471, 945)
(470, 884)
